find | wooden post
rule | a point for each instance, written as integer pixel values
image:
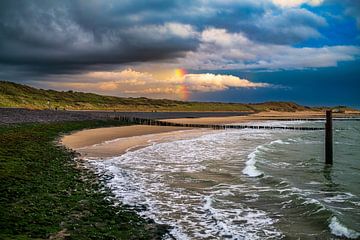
(328, 138)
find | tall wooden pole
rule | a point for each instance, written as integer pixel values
(328, 138)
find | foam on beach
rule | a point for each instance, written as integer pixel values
(209, 186)
(147, 176)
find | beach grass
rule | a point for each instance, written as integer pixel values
(46, 194)
(22, 96)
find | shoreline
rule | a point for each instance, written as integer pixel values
(261, 116)
(112, 142)
(115, 141)
(47, 188)
(129, 140)
(153, 174)
(22, 115)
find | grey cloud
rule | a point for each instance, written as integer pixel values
(224, 50)
(74, 36)
(262, 21)
(54, 35)
(285, 26)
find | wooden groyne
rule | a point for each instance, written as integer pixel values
(312, 119)
(154, 122)
(328, 128)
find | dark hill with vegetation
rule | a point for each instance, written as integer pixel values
(23, 96)
(47, 193)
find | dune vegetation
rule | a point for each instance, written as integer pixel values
(46, 194)
(23, 96)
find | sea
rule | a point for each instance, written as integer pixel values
(245, 184)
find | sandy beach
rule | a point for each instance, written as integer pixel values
(114, 141)
(261, 116)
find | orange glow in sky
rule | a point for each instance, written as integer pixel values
(182, 89)
(180, 72)
(183, 92)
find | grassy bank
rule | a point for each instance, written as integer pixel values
(22, 96)
(43, 194)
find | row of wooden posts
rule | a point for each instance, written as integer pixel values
(328, 129)
(154, 122)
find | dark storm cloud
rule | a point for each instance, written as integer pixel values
(71, 36)
(262, 21)
(50, 35)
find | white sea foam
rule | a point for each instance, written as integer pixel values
(314, 183)
(196, 186)
(271, 123)
(146, 177)
(227, 221)
(340, 230)
(298, 140)
(250, 168)
(279, 141)
(338, 198)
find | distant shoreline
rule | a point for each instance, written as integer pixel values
(23, 115)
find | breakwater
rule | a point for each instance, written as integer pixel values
(154, 122)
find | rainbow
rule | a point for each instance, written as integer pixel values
(180, 72)
(181, 89)
(183, 92)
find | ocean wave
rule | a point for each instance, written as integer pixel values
(147, 177)
(250, 168)
(214, 186)
(339, 198)
(271, 123)
(241, 223)
(340, 230)
(279, 141)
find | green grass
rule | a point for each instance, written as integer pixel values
(17, 95)
(44, 194)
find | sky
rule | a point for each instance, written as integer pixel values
(304, 51)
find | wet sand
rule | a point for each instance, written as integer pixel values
(114, 141)
(122, 145)
(96, 136)
(262, 116)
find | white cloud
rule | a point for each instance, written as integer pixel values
(129, 82)
(164, 31)
(297, 3)
(121, 75)
(222, 38)
(290, 25)
(220, 49)
(215, 82)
